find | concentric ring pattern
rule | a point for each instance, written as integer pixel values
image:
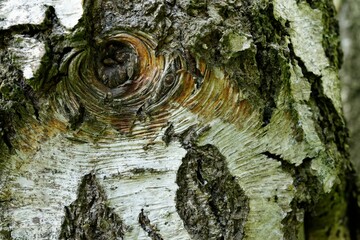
(120, 79)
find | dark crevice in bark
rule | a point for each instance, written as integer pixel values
(5, 137)
(17, 97)
(306, 198)
(31, 96)
(273, 156)
(169, 134)
(90, 20)
(139, 171)
(32, 30)
(271, 61)
(195, 72)
(353, 209)
(331, 127)
(6, 235)
(331, 40)
(78, 118)
(48, 75)
(17, 100)
(267, 112)
(165, 12)
(89, 217)
(209, 199)
(266, 29)
(302, 176)
(146, 225)
(331, 124)
(323, 217)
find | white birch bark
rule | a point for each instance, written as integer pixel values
(163, 151)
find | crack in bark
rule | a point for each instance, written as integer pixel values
(269, 37)
(17, 100)
(146, 225)
(23, 98)
(34, 30)
(306, 198)
(302, 176)
(330, 124)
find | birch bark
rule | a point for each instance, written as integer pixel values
(172, 120)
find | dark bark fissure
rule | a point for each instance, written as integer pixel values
(50, 73)
(76, 119)
(19, 98)
(306, 200)
(331, 40)
(330, 128)
(50, 31)
(274, 72)
(16, 100)
(209, 200)
(89, 217)
(270, 61)
(330, 124)
(34, 30)
(146, 225)
(353, 210)
(169, 134)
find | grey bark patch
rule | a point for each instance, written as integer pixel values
(209, 200)
(88, 217)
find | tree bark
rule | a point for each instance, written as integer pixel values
(173, 120)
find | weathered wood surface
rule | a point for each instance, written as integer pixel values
(172, 120)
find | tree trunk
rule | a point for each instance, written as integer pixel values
(172, 120)
(350, 27)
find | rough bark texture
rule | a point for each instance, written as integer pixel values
(89, 217)
(173, 120)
